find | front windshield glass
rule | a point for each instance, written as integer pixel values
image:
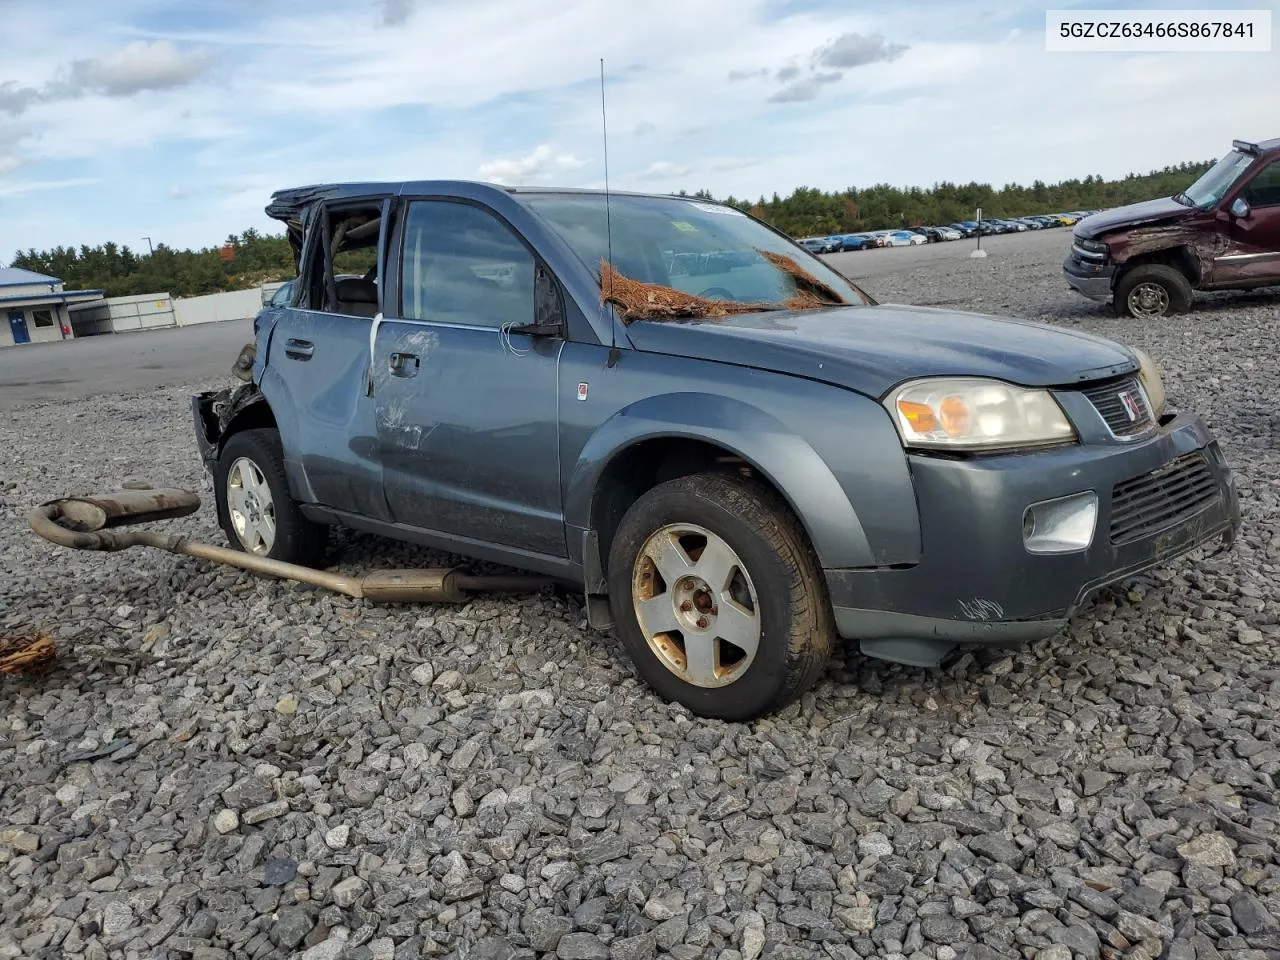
(1217, 180)
(675, 258)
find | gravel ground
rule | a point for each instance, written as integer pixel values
(224, 766)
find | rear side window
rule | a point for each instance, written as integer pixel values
(1264, 189)
(461, 264)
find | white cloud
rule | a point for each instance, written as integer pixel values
(666, 170)
(136, 67)
(40, 186)
(8, 164)
(396, 12)
(542, 164)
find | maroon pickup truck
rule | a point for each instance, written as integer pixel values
(1221, 233)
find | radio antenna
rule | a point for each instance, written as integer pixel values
(614, 353)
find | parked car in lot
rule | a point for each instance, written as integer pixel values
(1221, 233)
(903, 238)
(856, 241)
(737, 468)
(821, 244)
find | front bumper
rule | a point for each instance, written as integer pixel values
(1089, 278)
(976, 581)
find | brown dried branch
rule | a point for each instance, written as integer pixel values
(26, 654)
(637, 300)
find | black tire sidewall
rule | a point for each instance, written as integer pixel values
(771, 575)
(297, 539)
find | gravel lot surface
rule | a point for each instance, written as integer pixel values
(224, 766)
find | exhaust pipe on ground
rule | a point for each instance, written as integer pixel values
(90, 523)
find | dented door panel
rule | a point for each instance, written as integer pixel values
(314, 380)
(468, 430)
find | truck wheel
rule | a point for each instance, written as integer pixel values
(255, 509)
(1152, 290)
(718, 597)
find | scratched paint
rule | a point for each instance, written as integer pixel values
(980, 609)
(394, 413)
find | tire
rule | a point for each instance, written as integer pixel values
(252, 461)
(773, 580)
(1152, 290)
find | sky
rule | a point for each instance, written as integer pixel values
(176, 121)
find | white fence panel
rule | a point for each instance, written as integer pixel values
(210, 308)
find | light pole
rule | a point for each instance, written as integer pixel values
(149, 246)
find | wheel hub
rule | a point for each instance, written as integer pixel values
(1149, 298)
(695, 605)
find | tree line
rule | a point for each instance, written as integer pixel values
(810, 212)
(251, 258)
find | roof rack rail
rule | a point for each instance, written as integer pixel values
(1245, 146)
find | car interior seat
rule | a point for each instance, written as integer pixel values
(357, 296)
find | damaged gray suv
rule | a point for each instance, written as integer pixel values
(736, 454)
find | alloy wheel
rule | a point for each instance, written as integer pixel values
(696, 605)
(251, 506)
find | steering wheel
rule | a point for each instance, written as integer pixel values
(713, 293)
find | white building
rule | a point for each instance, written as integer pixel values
(33, 307)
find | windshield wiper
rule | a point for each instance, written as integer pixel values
(1183, 199)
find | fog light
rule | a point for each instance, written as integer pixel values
(1064, 525)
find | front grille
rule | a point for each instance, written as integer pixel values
(1123, 405)
(1146, 505)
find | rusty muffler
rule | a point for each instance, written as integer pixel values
(90, 523)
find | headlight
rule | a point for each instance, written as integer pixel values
(974, 414)
(1152, 382)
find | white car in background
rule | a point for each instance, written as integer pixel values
(904, 238)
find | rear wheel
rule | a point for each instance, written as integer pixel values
(1152, 290)
(718, 597)
(255, 509)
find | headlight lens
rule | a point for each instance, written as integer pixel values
(976, 414)
(1152, 382)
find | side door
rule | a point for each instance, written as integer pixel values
(1252, 232)
(467, 409)
(18, 327)
(316, 376)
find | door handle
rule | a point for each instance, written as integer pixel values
(404, 364)
(299, 349)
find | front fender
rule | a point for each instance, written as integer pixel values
(775, 450)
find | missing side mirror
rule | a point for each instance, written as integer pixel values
(548, 306)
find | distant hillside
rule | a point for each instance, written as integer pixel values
(252, 258)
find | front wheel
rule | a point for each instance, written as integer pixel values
(1152, 290)
(255, 509)
(718, 597)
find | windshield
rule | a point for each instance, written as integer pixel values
(675, 258)
(1217, 180)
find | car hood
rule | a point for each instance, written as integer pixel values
(872, 349)
(1131, 215)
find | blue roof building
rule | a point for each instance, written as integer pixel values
(34, 308)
